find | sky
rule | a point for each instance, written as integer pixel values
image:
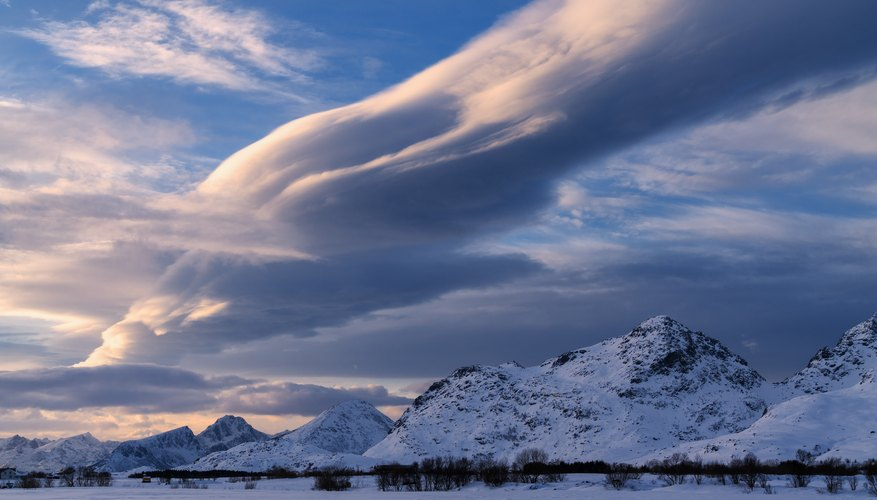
(263, 209)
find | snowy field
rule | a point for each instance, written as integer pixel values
(576, 486)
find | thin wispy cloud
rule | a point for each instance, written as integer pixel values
(192, 42)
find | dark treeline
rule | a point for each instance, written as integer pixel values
(750, 472)
(68, 477)
(191, 474)
(532, 466)
(447, 473)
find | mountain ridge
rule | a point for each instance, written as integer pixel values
(649, 389)
(336, 437)
(661, 388)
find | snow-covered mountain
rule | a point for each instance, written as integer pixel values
(52, 455)
(180, 446)
(82, 449)
(12, 449)
(336, 437)
(660, 389)
(228, 432)
(838, 423)
(841, 366)
(828, 409)
(163, 451)
(659, 385)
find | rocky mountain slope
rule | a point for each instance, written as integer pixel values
(338, 436)
(827, 408)
(841, 366)
(52, 455)
(162, 451)
(228, 432)
(659, 385)
(837, 423)
(180, 446)
(17, 449)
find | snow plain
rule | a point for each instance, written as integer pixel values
(576, 486)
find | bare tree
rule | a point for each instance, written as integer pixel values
(750, 471)
(672, 470)
(529, 464)
(870, 470)
(801, 472)
(620, 474)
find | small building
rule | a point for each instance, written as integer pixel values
(147, 479)
(7, 477)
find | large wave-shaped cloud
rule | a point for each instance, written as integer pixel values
(406, 179)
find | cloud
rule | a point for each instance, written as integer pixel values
(474, 143)
(417, 200)
(192, 42)
(147, 389)
(374, 193)
(139, 388)
(263, 299)
(74, 185)
(731, 292)
(304, 399)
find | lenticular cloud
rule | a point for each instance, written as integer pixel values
(473, 145)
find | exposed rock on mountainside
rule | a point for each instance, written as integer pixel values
(659, 385)
(163, 451)
(227, 432)
(338, 436)
(47, 455)
(843, 365)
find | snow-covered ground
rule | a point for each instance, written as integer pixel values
(576, 486)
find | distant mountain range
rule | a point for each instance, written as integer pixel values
(660, 389)
(53, 455)
(337, 437)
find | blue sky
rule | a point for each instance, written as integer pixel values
(285, 205)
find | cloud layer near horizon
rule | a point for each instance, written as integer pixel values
(138, 389)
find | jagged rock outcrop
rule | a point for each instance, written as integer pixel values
(162, 451)
(338, 436)
(228, 432)
(843, 365)
(659, 385)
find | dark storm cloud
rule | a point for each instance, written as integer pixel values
(304, 399)
(767, 310)
(157, 389)
(762, 303)
(295, 297)
(387, 191)
(137, 387)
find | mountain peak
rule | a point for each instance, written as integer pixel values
(351, 426)
(162, 451)
(863, 333)
(353, 404)
(662, 325)
(337, 436)
(227, 432)
(595, 402)
(840, 366)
